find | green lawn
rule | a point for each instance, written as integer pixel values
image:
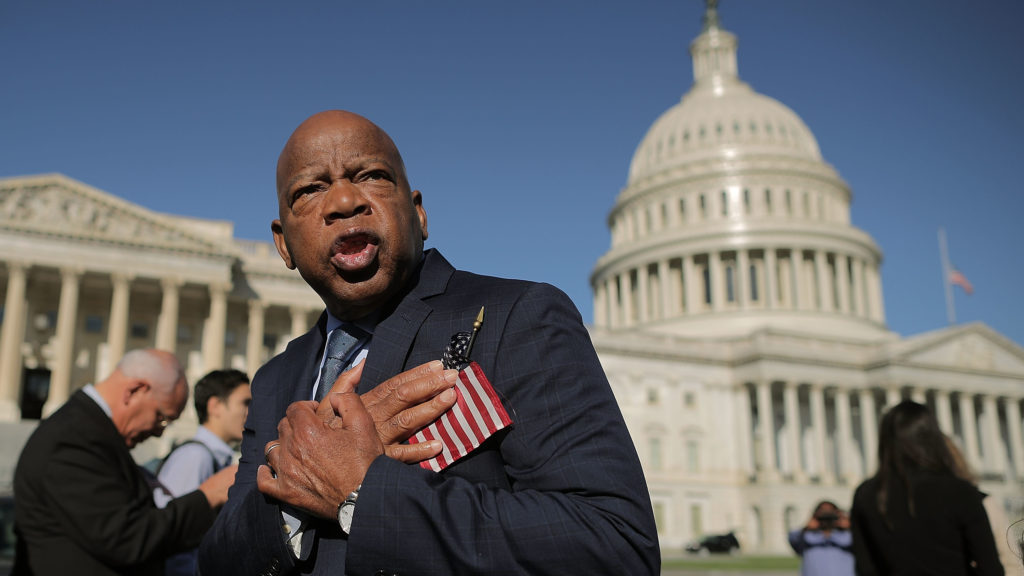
(737, 563)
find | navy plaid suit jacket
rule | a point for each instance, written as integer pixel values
(560, 492)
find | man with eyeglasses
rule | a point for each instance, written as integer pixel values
(82, 504)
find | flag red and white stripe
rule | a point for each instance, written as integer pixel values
(476, 415)
(958, 279)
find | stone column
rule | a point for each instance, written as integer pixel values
(642, 296)
(858, 288)
(825, 298)
(668, 290)
(626, 295)
(944, 412)
(744, 432)
(817, 397)
(791, 404)
(995, 455)
(11, 336)
(300, 321)
(869, 429)
(742, 279)
(801, 293)
(892, 396)
(767, 429)
(64, 341)
(919, 395)
(117, 328)
(771, 298)
(717, 281)
(843, 281)
(167, 324)
(876, 305)
(694, 285)
(600, 301)
(969, 425)
(614, 309)
(254, 342)
(844, 436)
(1016, 439)
(215, 327)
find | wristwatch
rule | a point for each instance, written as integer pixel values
(346, 509)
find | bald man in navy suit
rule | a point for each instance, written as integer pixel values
(330, 487)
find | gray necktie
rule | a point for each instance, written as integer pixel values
(340, 344)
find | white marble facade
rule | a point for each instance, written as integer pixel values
(85, 276)
(740, 318)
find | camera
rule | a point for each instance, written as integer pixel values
(827, 520)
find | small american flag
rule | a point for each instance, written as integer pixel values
(958, 279)
(476, 415)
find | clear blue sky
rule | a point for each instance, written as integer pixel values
(518, 120)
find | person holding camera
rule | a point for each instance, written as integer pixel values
(825, 543)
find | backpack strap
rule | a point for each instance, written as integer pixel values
(213, 457)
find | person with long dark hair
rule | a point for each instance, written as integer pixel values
(916, 515)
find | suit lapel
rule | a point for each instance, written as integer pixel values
(304, 353)
(395, 335)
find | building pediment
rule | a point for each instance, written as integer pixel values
(971, 347)
(54, 205)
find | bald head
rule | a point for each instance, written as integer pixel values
(311, 134)
(145, 392)
(348, 220)
(159, 368)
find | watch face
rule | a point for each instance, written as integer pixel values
(345, 513)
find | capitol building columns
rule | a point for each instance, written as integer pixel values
(733, 258)
(64, 341)
(215, 326)
(95, 276)
(117, 331)
(167, 322)
(254, 342)
(1016, 436)
(11, 338)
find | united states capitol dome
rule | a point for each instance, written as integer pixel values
(720, 116)
(731, 221)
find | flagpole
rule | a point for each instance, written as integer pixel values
(944, 255)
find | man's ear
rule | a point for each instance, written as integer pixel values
(282, 246)
(417, 203)
(214, 406)
(135, 387)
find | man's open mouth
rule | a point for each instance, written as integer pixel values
(354, 252)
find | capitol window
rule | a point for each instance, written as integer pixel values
(655, 453)
(140, 331)
(692, 456)
(93, 324)
(753, 283)
(730, 295)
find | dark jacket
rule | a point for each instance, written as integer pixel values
(948, 531)
(82, 506)
(561, 492)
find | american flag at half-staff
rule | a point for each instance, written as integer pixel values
(476, 415)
